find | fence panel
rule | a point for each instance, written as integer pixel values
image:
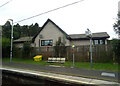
(101, 53)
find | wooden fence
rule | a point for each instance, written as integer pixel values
(101, 53)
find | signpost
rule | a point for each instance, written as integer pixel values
(73, 49)
(89, 35)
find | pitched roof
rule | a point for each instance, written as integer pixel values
(94, 36)
(70, 37)
(67, 36)
(23, 39)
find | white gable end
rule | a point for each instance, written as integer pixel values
(50, 32)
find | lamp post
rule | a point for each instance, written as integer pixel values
(89, 34)
(73, 49)
(11, 40)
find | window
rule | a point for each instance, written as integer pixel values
(102, 41)
(41, 36)
(95, 42)
(46, 42)
(99, 42)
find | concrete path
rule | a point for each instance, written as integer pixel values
(76, 81)
(76, 72)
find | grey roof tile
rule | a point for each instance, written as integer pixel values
(94, 35)
(23, 39)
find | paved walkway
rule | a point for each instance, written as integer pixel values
(94, 74)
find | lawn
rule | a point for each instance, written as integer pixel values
(84, 65)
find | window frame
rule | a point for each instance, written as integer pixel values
(103, 41)
(99, 41)
(96, 41)
(46, 42)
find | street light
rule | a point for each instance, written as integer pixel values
(11, 40)
(89, 35)
(73, 49)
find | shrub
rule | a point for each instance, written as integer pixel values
(26, 50)
(5, 47)
(60, 48)
(116, 49)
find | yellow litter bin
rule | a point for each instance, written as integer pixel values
(37, 58)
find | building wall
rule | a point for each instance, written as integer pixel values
(83, 42)
(20, 45)
(68, 43)
(106, 41)
(80, 42)
(50, 32)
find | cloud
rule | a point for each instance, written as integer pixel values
(96, 15)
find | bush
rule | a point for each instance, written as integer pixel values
(26, 50)
(60, 48)
(5, 47)
(116, 49)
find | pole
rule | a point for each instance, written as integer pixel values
(73, 49)
(91, 52)
(73, 60)
(89, 34)
(11, 42)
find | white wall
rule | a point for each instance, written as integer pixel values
(50, 32)
(80, 42)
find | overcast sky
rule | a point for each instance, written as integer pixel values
(97, 15)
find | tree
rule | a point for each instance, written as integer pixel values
(36, 28)
(19, 31)
(16, 31)
(60, 48)
(33, 29)
(116, 25)
(30, 30)
(6, 30)
(116, 49)
(26, 50)
(24, 30)
(5, 47)
(116, 42)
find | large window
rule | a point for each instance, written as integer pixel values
(46, 42)
(99, 42)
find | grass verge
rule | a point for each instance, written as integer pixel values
(84, 65)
